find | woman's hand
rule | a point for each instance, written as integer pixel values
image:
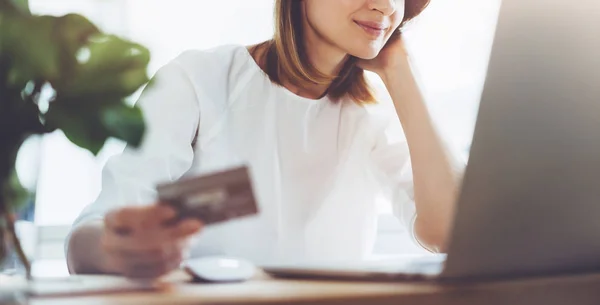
(137, 243)
(393, 58)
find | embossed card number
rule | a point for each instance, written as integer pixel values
(213, 198)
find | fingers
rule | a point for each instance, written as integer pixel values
(150, 271)
(139, 245)
(144, 257)
(184, 229)
(117, 220)
(152, 239)
(156, 216)
(160, 253)
(140, 266)
(148, 264)
(130, 219)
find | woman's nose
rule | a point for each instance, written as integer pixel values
(386, 7)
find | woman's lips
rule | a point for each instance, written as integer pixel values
(373, 29)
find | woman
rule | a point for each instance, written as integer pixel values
(298, 110)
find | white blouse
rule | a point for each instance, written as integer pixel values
(317, 166)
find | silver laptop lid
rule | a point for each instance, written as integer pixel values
(531, 196)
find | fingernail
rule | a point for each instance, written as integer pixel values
(123, 231)
(193, 225)
(170, 213)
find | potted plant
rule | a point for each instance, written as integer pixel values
(89, 74)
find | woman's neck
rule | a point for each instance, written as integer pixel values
(325, 61)
(323, 56)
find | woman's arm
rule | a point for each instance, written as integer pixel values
(436, 183)
(171, 112)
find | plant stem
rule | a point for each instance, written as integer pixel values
(10, 225)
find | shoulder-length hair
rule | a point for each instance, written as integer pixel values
(285, 58)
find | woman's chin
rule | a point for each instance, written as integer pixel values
(366, 53)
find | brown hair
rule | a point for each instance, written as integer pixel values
(284, 58)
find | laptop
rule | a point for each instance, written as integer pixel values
(530, 199)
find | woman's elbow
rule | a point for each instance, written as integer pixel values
(432, 237)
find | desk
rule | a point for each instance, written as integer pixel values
(564, 290)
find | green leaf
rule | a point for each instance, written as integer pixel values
(74, 31)
(107, 65)
(89, 123)
(49, 49)
(32, 56)
(80, 124)
(124, 123)
(15, 6)
(22, 5)
(91, 73)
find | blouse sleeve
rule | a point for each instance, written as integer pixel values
(171, 111)
(392, 163)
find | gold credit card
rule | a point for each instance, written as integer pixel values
(212, 198)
